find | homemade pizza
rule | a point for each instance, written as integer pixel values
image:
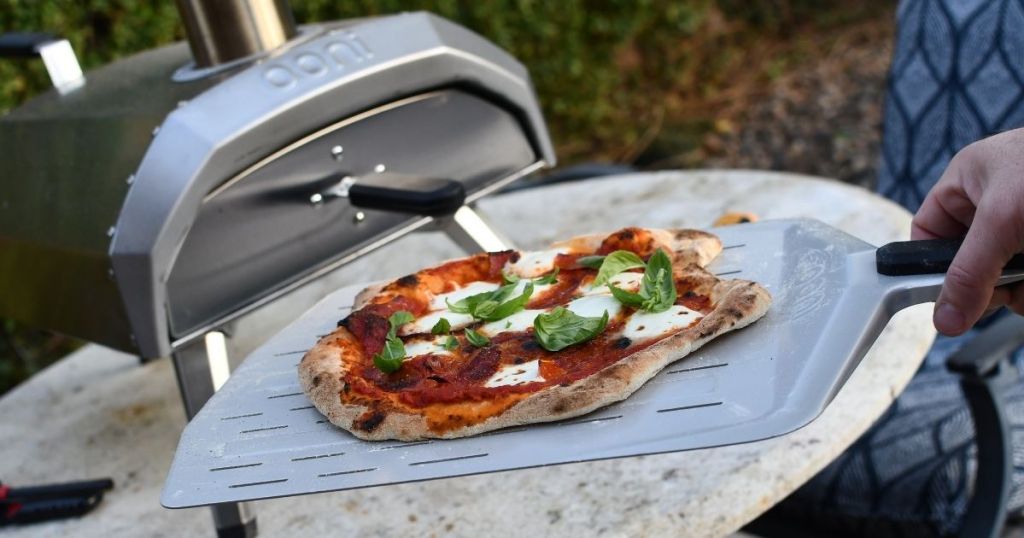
(509, 338)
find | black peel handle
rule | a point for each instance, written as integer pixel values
(408, 194)
(929, 256)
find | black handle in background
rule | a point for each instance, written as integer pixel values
(924, 257)
(408, 194)
(23, 44)
(57, 491)
(51, 509)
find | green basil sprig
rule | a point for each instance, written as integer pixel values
(561, 328)
(615, 263)
(390, 358)
(657, 289)
(476, 338)
(593, 262)
(441, 327)
(451, 343)
(549, 278)
(492, 305)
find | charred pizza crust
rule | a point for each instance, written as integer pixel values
(737, 303)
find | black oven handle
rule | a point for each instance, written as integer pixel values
(400, 193)
(24, 44)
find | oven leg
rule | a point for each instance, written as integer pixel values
(471, 232)
(201, 368)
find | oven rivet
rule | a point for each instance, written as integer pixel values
(110, 273)
(360, 217)
(110, 231)
(380, 168)
(316, 198)
(182, 103)
(336, 152)
(156, 130)
(131, 179)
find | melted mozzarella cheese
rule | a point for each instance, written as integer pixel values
(594, 306)
(433, 346)
(520, 321)
(624, 281)
(534, 264)
(437, 302)
(424, 324)
(516, 374)
(646, 325)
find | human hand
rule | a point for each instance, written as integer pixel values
(981, 194)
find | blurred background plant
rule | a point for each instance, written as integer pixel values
(791, 85)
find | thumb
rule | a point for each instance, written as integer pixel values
(972, 275)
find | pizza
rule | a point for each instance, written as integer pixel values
(509, 338)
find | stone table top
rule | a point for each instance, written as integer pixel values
(99, 413)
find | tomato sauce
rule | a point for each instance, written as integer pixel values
(457, 382)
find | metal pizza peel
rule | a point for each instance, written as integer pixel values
(260, 437)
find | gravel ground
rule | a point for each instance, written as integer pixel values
(821, 118)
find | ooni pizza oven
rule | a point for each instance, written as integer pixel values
(154, 200)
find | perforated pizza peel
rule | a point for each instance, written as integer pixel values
(260, 437)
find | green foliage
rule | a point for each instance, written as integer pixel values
(607, 72)
(24, 351)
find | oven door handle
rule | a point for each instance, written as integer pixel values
(399, 193)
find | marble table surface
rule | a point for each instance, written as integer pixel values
(99, 413)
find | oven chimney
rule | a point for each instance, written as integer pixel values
(220, 31)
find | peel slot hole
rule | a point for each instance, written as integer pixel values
(247, 415)
(686, 407)
(268, 428)
(262, 483)
(444, 460)
(319, 456)
(230, 467)
(340, 473)
(696, 368)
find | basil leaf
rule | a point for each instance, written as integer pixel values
(549, 278)
(658, 286)
(390, 358)
(561, 328)
(399, 318)
(657, 289)
(509, 307)
(615, 263)
(626, 297)
(476, 338)
(508, 278)
(458, 307)
(484, 309)
(441, 327)
(451, 343)
(470, 304)
(593, 262)
(491, 305)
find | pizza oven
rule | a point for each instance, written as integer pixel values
(149, 203)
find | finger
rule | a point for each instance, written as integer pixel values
(971, 277)
(947, 211)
